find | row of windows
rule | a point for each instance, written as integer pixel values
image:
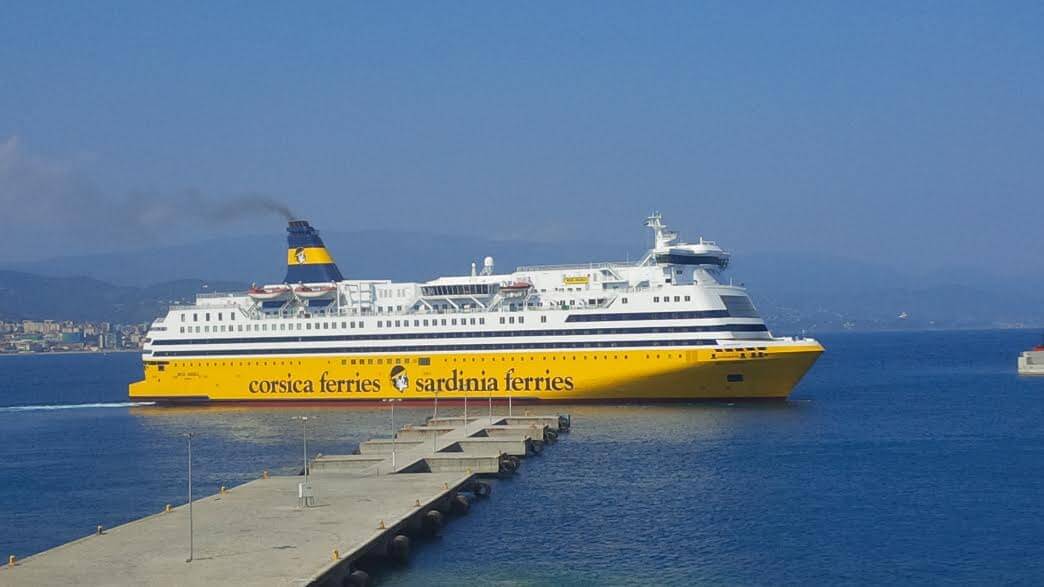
(206, 316)
(436, 322)
(353, 324)
(448, 347)
(684, 315)
(472, 321)
(733, 328)
(420, 360)
(467, 289)
(755, 352)
(667, 299)
(275, 327)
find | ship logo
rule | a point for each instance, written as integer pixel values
(299, 255)
(400, 380)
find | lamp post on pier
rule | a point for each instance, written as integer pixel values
(393, 401)
(188, 436)
(304, 443)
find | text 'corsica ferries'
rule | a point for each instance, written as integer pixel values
(661, 328)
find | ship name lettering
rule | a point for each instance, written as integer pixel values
(544, 383)
(327, 385)
(288, 385)
(458, 381)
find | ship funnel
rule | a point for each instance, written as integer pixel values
(307, 260)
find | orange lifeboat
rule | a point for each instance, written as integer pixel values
(517, 286)
(314, 292)
(269, 293)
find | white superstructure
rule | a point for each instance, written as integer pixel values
(672, 296)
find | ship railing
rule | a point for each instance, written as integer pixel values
(576, 266)
(559, 301)
(208, 306)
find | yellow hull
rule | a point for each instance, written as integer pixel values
(620, 375)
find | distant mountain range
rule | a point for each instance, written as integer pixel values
(37, 297)
(795, 292)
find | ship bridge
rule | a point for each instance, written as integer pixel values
(667, 250)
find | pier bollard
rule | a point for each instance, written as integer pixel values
(264, 475)
(167, 509)
(223, 491)
(99, 530)
(380, 526)
(336, 555)
(416, 503)
(11, 560)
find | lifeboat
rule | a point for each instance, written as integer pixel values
(515, 286)
(269, 293)
(314, 292)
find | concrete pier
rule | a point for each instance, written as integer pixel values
(261, 533)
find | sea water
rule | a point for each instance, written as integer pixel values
(911, 458)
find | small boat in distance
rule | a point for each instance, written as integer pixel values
(1032, 362)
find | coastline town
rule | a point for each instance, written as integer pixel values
(53, 336)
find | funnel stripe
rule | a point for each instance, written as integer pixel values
(308, 256)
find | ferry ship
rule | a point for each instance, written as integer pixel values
(665, 327)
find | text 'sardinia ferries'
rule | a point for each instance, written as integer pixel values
(658, 329)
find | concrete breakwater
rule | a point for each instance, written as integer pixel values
(312, 529)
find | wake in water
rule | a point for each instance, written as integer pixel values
(74, 406)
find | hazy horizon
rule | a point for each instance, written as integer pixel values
(894, 134)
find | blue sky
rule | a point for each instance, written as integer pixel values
(901, 133)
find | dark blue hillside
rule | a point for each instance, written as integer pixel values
(34, 297)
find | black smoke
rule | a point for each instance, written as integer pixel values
(54, 199)
(252, 205)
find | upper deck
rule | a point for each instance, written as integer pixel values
(666, 291)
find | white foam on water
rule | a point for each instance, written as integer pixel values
(74, 406)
